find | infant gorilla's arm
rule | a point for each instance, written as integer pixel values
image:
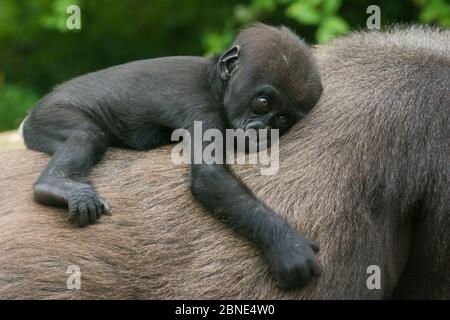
(267, 79)
(291, 257)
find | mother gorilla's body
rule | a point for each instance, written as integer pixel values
(365, 175)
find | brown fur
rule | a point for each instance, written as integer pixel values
(365, 175)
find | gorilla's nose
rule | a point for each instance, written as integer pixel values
(257, 125)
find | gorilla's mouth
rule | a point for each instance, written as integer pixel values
(251, 140)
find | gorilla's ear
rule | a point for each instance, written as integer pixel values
(227, 62)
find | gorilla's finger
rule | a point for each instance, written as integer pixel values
(92, 212)
(84, 215)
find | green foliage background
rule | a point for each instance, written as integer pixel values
(37, 51)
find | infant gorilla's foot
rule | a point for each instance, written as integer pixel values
(292, 261)
(85, 205)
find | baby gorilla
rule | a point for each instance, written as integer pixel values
(267, 79)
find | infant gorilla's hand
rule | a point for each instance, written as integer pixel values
(292, 260)
(85, 205)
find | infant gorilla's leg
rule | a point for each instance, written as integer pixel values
(75, 151)
(62, 183)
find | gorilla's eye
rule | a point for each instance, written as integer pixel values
(261, 104)
(283, 120)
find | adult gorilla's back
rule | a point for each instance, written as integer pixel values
(365, 175)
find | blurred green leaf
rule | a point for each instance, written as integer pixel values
(304, 12)
(331, 6)
(216, 42)
(330, 28)
(435, 11)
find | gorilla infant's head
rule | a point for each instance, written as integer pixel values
(269, 77)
